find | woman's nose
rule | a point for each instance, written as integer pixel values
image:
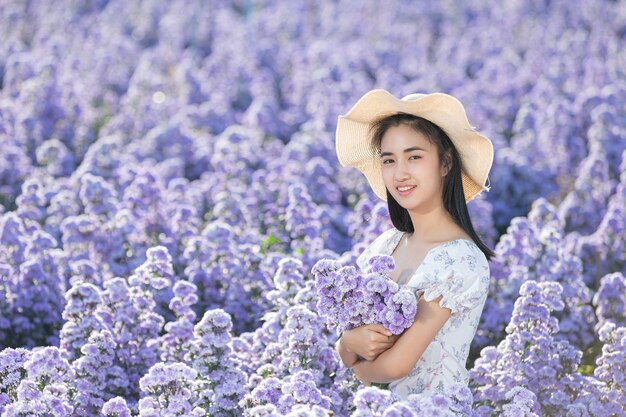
(401, 172)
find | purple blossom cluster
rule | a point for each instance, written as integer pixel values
(178, 333)
(33, 283)
(533, 358)
(610, 300)
(44, 389)
(210, 355)
(604, 250)
(534, 249)
(368, 219)
(375, 402)
(294, 338)
(280, 397)
(97, 374)
(170, 390)
(225, 268)
(11, 373)
(349, 298)
(168, 179)
(611, 369)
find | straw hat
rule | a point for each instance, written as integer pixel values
(447, 112)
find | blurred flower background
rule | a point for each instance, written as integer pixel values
(168, 179)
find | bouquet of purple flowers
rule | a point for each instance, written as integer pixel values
(349, 298)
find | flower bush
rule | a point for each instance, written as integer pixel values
(168, 180)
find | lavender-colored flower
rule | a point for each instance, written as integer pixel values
(85, 271)
(32, 200)
(611, 368)
(136, 144)
(97, 196)
(372, 401)
(302, 217)
(127, 311)
(265, 410)
(171, 390)
(82, 301)
(522, 403)
(287, 282)
(583, 208)
(116, 407)
(210, 355)
(380, 264)
(349, 298)
(602, 252)
(268, 391)
(97, 375)
(306, 410)
(56, 158)
(610, 300)
(530, 356)
(227, 271)
(175, 342)
(45, 388)
(288, 396)
(534, 248)
(301, 389)
(11, 373)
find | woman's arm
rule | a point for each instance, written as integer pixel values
(367, 342)
(347, 357)
(397, 362)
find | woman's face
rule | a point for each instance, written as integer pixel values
(411, 169)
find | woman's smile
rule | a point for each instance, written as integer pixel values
(405, 189)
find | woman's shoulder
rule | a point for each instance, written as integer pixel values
(463, 254)
(459, 272)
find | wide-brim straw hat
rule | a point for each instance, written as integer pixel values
(447, 112)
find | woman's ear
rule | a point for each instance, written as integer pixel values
(446, 166)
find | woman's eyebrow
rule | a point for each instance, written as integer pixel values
(412, 148)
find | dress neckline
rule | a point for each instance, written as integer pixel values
(399, 236)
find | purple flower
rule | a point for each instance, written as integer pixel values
(380, 264)
(116, 407)
(11, 371)
(45, 389)
(348, 298)
(373, 400)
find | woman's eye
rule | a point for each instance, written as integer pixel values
(385, 161)
(415, 156)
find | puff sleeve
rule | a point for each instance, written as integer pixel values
(458, 272)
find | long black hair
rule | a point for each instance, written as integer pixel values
(453, 197)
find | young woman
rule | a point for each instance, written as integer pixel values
(420, 155)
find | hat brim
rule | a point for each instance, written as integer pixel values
(352, 141)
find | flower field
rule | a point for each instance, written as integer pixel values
(168, 179)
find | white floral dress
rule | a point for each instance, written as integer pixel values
(458, 271)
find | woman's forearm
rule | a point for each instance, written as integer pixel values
(348, 358)
(383, 369)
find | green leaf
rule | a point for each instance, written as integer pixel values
(269, 241)
(586, 370)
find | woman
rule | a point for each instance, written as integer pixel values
(420, 155)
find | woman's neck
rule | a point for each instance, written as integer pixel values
(434, 225)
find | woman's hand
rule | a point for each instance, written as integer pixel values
(368, 341)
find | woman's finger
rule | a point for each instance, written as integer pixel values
(379, 328)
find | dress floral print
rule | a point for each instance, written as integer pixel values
(459, 272)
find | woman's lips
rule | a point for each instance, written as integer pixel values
(405, 189)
